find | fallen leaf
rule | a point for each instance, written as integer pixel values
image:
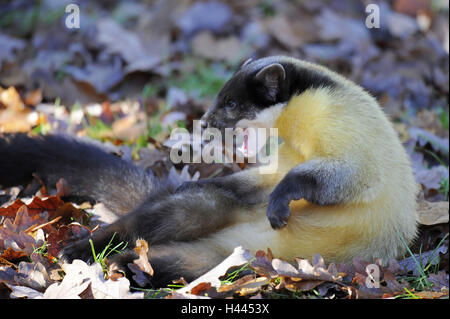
(201, 289)
(439, 280)
(15, 116)
(244, 286)
(423, 138)
(102, 77)
(25, 292)
(410, 264)
(207, 46)
(284, 268)
(11, 99)
(431, 294)
(57, 240)
(303, 285)
(317, 270)
(412, 7)
(432, 213)
(401, 25)
(285, 31)
(12, 209)
(7, 275)
(373, 280)
(18, 241)
(129, 127)
(36, 206)
(262, 264)
(33, 275)
(349, 29)
(127, 44)
(10, 254)
(141, 267)
(24, 220)
(80, 276)
(9, 47)
(238, 258)
(431, 179)
(212, 16)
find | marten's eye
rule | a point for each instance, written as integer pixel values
(231, 105)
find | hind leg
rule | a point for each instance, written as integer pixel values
(195, 210)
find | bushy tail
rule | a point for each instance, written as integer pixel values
(91, 172)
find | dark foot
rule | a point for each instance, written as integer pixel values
(278, 212)
(78, 250)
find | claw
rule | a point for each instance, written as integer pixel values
(278, 213)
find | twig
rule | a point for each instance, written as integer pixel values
(34, 228)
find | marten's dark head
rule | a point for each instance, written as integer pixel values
(254, 87)
(259, 89)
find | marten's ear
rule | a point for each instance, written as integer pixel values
(246, 62)
(271, 77)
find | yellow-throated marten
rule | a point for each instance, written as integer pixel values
(344, 186)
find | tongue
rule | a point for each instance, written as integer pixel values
(244, 147)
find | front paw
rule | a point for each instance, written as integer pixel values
(78, 250)
(278, 212)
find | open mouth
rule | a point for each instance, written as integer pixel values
(244, 146)
(253, 140)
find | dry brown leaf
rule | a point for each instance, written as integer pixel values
(262, 264)
(142, 250)
(439, 280)
(141, 267)
(284, 31)
(24, 220)
(14, 116)
(317, 270)
(244, 286)
(7, 275)
(283, 268)
(410, 264)
(228, 49)
(10, 254)
(412, 7)
(17, 240)
(129, 127)
(11, 99)
(252, 286)
(303, 285)
(33, 275)
(37, 205)
(431, 294)
(201, 289)
(383, 284)
(432, 213)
